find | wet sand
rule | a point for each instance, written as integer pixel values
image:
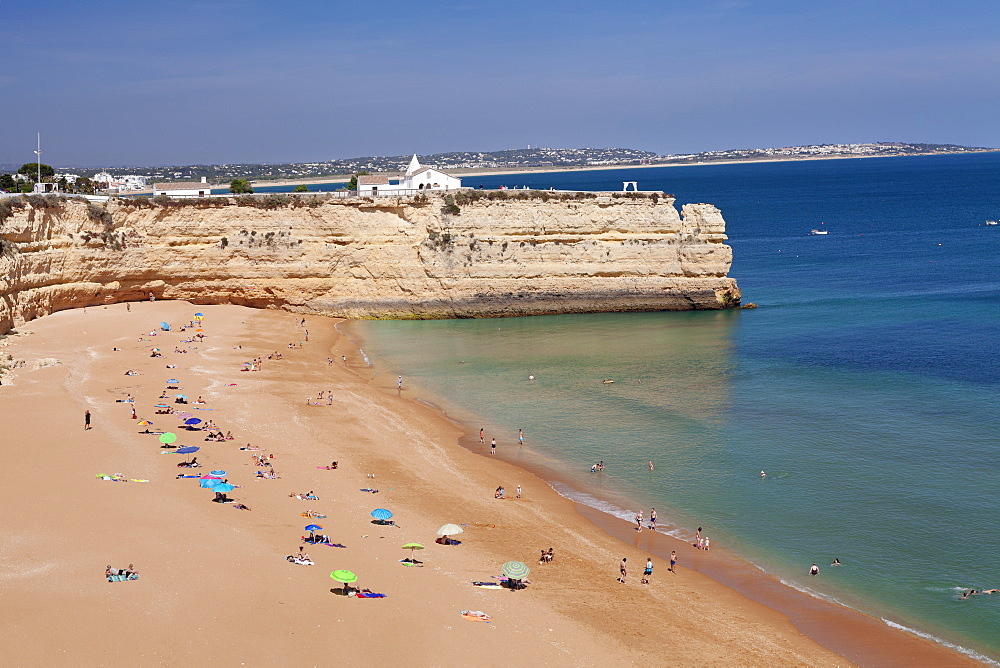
(214, 583)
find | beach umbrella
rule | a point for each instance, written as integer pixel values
(381, 514)
(344, 576)
(217, 472)
(186, 450)
(144, 423)
(165, 326)
(168, 437)
(171, 381)
(449, 530)
(199, 315)
(181, 396)
(224, 487)
(161, 405)
(515, 570)
(411, 547)
(212, 475)
(313, 527)
(192, 421)
(209, 483)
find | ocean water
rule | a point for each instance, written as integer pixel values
(867, 384)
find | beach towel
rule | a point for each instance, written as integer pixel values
(368, 594)
(189, 476)
(407, 562)
(475, 616)
(373, 491)
(122, 578)
(487, 585)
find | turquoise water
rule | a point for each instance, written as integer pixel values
(866, 384)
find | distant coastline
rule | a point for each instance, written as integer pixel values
(593, 168)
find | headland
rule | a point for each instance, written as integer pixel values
(450, 255)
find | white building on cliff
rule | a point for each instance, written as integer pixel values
(417, 178)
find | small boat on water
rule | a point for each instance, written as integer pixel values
(991, 222)
(818, 232)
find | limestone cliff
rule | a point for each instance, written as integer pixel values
(387, 258)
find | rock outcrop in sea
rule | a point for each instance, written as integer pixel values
(465, 255)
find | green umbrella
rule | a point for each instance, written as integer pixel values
(411, 547)
(344, 576)
(515, 570)
(168, 437)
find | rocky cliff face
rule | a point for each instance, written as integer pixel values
(388, 258)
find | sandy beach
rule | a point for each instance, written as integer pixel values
(214, 582)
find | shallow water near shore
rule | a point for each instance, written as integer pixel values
(865, 385)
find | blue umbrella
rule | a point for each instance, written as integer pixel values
(201, 315)
(218, 472)
(313, 527)
(223, 488)
(192, 421)
(181, 396)
(165, 326)
(381, 514)
(173, 380)
(188, 449)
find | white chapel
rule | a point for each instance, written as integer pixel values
(417, 178)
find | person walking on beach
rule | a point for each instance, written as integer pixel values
(399, 383)
(708, 544)
(482, 439)
(520, 437)
(623, 569)
(638, 522)
(493, 446)
(673, 561)
(652, 519)
(519, 491)
(344, 357)
(648, 571)
(86, 421)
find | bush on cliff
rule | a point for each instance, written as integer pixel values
(450, 208)
(8, 205)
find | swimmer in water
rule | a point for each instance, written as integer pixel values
(531, 377)
(836, 562)
(650, 466)
(814, 569)
(763, 475)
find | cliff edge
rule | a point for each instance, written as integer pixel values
(471, 254)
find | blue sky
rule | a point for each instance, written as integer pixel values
(177, 82)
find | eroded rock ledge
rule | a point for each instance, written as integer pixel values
(388, 258)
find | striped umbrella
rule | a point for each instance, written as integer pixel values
(515, 570)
